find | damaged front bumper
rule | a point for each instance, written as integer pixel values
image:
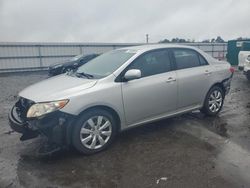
(20, 126)
(56, 126)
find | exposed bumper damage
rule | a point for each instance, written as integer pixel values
(227, 85)
(55, 126)
(21, 127)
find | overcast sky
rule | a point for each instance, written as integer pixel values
(122, 20)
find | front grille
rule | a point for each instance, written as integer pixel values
(23, 106)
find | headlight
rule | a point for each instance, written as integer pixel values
(40, 109)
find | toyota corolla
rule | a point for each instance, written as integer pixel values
(118, 90)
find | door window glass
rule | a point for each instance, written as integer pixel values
(152, 63)
(186, 58)
(202, 60)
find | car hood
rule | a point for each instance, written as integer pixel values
(56, 88)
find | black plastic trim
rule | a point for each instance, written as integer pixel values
(15, 123)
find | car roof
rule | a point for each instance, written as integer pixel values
(144, 48)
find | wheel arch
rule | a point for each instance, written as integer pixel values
(219, 84)
(204, 107)
(103, 107)
(107, 108)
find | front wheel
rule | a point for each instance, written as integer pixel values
(94, 131)
(213, 102)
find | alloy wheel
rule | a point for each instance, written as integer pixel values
(96, 132)
(215, 101)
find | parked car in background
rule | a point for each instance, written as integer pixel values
(244, 63)
(118, 90)
(71, 64)
(244, 57)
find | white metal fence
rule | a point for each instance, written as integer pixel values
(37, 56)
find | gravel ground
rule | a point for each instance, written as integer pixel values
(187, 151)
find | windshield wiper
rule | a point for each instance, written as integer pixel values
(80, 74)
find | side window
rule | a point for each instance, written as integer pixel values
(186, 58)
(202, 60)
(152, 63)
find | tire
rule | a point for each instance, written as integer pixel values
(94, 131)
(248, 75)
(240, 68)
(214, 101)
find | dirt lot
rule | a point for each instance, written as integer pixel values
(187, 151)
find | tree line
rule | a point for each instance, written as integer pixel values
(218, 39)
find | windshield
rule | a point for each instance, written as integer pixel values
(105, 64)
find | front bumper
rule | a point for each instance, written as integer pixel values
(15, 122)
(55, 126)
(20, 126)
(246, 69)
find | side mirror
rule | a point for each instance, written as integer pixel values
(132, 74)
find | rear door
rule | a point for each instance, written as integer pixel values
(193, 77)
(154, 94)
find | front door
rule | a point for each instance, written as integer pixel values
(154, 94)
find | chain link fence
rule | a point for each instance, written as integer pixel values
(39, 56)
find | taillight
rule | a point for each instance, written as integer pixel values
(231, 69)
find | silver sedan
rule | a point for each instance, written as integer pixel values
(118, 90)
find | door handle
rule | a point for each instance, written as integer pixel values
(207, 72)
(170, 79)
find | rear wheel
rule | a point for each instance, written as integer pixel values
(94, 131)
(213, 102)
